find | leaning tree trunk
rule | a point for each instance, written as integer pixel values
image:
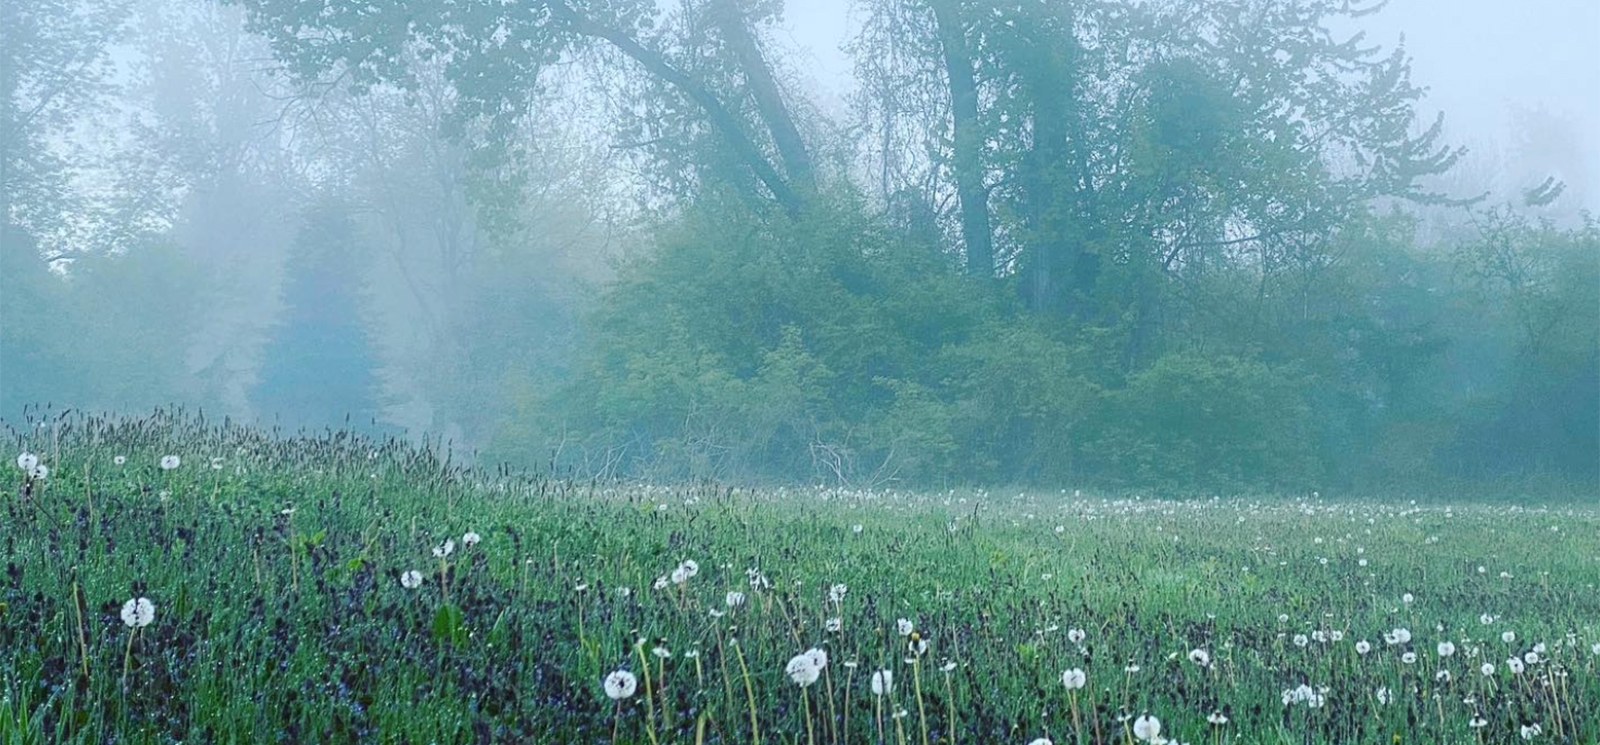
(968, 162)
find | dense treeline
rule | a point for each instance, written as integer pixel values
(1191, 246)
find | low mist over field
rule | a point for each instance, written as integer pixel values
(848, 372)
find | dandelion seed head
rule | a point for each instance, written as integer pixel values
(138, 613)
(621, 684)
(1074, 679)
(1147, 728)
(882, 682)
(802, 670)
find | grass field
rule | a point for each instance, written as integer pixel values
(282, 608)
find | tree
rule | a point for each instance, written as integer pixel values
(53, 66)
(499, 53)
(319, 364)
(1159, 136)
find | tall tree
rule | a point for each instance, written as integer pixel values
(53, 65)
(1159, 136)
(319, 364)
(498, 54)
(967, 160)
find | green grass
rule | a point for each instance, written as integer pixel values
(293, 628)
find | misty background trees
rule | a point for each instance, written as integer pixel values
(1196, 246)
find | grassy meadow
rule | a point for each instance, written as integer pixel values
(336, 589)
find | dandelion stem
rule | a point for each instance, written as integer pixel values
(950, 707)
(127, 660)
(749, 693)
(877, 708)
(1077, 726)
(83, 641)
(805, 708)
(922, 711)
(649, 703)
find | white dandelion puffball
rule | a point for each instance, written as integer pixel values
(1408, 598)
(1446, 649)
(120, 460)
(1530, 731)
(734, 599)
(445, 549)
(882, 682)
(833, 625)
(836, 593)
(471, 539)
(905, 627)
(818, 657)
(1217, 718)
(661, 652)
(802, 670)
(1076, 636)
(857, 528)
(690, 568)
(679, 576)
(1363, 646)
(39, 472)
(411, 580)
(1074, 679)
(1147, 728)
(169, 462)
(917, 645)
(1300, 640)
(1514, 664)
(138, 613)
(1042, 741)
(1408, 657)
(1508, 636)
(27, 461)
(1200, 657)
(621, 684)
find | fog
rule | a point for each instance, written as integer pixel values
(1190, 247)
(1489, 67)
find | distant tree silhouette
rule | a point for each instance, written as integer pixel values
(319, 364)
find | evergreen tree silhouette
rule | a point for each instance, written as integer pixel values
(319, 365)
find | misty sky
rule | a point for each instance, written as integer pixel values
(1481, 60)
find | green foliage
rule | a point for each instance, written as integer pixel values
(1191, 422)
(753, 347)
(1538, 406)
(104, 333)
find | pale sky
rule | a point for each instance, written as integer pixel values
(1481, 60)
